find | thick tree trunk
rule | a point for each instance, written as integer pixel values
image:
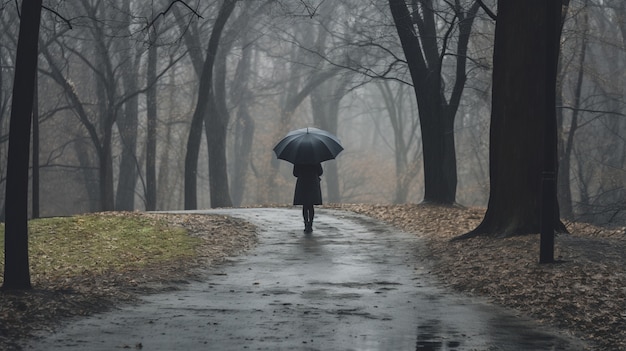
(16, 266)
(421, 49)
(437, 146)
(216, 126)
(218, 176)
(519, 106)
(127, 180)
(204, 91)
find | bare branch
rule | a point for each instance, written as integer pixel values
(311, 10)
(163, 13)
(487, 10)
(69, 24)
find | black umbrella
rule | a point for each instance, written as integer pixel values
(308, 146)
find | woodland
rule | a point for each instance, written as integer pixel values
(515, 107)
(118, 85)
(177, 105)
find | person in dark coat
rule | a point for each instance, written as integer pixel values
(308, 192)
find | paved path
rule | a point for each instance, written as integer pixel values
(353, 284)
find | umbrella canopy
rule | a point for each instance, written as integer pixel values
(308, 146)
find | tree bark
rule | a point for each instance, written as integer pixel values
(35, 190)
(436, 114)
(128, 123)
(216, 125)
(16, 266)
(204, 91)
(127, 126)
(517, 132)
(151, 96)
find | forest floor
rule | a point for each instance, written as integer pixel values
(584, 294)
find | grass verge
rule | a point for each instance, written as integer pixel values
(63, 247)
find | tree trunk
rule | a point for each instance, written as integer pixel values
(35, 189)
(107, 200)
(16, 266)
(216, 126)
(151, 96)
(204, 92)
(519, 106)
(244, 132)
(436, 115)
(244, 125)
(127, 180)
(89, 175)
(128, 123)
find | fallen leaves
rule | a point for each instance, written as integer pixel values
(585, 294)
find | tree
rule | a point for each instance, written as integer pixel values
(127, 122)
(16, 268)
(241, 95)
(418, 33)
(202, 105)
(151, 116)
(218, 119)
(517, 133)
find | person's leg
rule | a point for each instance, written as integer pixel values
(311, 215)
(308, 216)
(305, 216)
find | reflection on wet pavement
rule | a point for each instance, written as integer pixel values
(353, 284)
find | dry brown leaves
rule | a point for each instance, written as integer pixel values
(584, 295)
(50, 300)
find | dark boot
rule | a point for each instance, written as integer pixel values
(308, 227)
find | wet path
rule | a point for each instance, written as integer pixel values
(353, 284)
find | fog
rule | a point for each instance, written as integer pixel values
(284, 65)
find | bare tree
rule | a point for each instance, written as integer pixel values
(202, 104)
(425, 57)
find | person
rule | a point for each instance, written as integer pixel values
(308, 192)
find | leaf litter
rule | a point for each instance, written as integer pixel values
(584, 294)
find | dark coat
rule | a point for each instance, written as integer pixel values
(308, 191)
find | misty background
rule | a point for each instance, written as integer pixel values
(282, 65)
